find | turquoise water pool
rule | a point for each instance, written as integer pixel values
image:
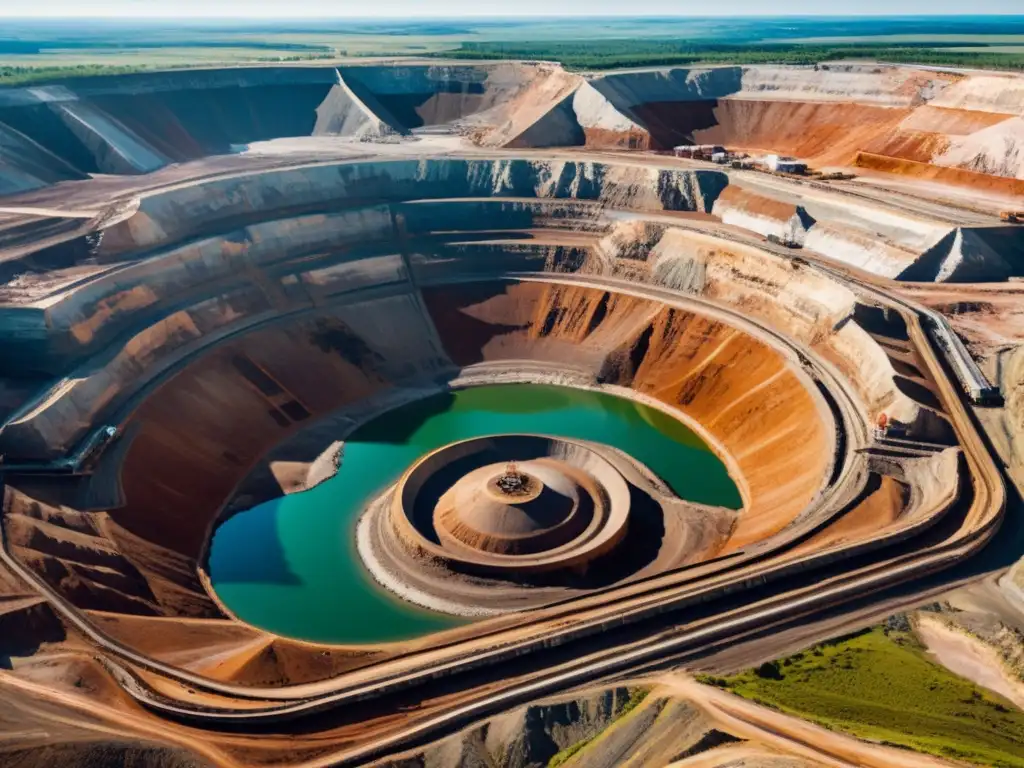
(290, 566)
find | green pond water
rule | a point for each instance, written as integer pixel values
(290, 566)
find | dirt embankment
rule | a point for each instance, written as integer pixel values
(665, 721)
(805, 304)
(930, 172)
(614, 727)
(968, 655)
(828, 134)
(885, 502)
(97, 563)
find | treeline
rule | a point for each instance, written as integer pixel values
(615, 54)
(28, 47)
(21, 75)
(29, 75)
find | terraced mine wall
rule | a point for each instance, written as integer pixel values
(791, 110)
(221, 396)
(207, 343)
(831, 112)
(258, 223)
(66, 301)
(841, 114)
(137, 123)
(182, 293)
(133, 124)
(177, 471)
(276, 316)
(899, 119)
(702, 367)
(288, 320)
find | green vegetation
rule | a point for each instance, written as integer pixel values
(26, 75)
(615, 54)
(881, 685)
(566, 754)
(33, 51)
(38, 50)
(636, 697)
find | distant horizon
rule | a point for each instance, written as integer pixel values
(423, 10)
(530, 16)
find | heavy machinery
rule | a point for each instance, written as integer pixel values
(785, 241)
(972, 380)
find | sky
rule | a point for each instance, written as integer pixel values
(463, 8)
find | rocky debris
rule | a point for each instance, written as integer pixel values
(898, 622)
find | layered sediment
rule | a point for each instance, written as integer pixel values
(830, 114)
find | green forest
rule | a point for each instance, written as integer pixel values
(614, 54)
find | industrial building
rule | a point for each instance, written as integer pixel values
(699, 151)
(783, 164)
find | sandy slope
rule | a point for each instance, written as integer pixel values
(792, 735)
(968, 657)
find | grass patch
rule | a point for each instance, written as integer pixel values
(566, 754)
(882, 686)
(636, 698)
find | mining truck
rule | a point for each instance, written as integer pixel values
(786, 241)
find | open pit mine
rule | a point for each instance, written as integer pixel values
(343, 408)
